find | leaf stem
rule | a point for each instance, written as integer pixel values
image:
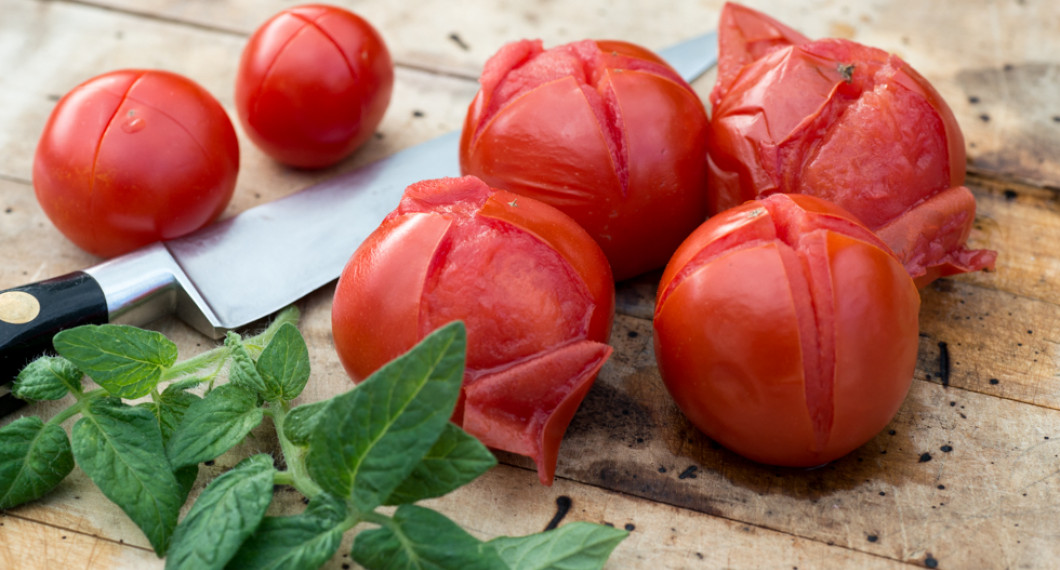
(83, 400)
(293, 455)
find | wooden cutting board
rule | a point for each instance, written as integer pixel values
(966, 476)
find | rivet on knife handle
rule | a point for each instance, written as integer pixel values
(30, 316)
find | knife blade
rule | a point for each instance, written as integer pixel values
(241, 269)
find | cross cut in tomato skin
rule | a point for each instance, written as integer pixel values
(533, 289)
(845, 122)
(135, 156)
(603, 130)
(786, 330)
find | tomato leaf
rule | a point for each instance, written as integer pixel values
(170, 408)
(300, 422)
(34, 458)
(284, 364)
(306, 540)
(455, 460)
(572, 546)
(369, 439)
(125, 360)
(120, 448)
(244, 372)
(421, 538)
(223, 516)
(47, 378)
(213, 425)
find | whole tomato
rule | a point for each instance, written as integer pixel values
(606, 132)
(532, 288)
(845, 122)
(135, 156)
(313, 84)
(786, 331)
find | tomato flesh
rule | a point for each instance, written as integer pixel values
(533, 289)
(786, 330)
(845, 122)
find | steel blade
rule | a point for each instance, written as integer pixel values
(253, 264)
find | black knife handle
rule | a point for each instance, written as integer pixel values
(30, 316)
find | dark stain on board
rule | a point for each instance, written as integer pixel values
(563, 505)
(944, 364)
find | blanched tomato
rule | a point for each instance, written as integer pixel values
(786, 330)
(135, 156)
(313, 84)
(846, 122)
(604, 131)
(532, 287)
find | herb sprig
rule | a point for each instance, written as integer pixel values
(386, 443)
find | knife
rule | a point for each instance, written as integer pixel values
(241, 269)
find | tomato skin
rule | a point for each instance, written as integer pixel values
(845, 122)
(606, 132)
(314, 82)
(135, 156)
(532, 287)
(786, 330)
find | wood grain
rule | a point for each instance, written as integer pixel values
(968, 473)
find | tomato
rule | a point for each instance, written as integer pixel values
(845, 122)
(606, 132)
(786, 331)
(135, 156)
(313, 84)
(532, 287)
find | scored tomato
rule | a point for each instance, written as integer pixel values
(313, 83)
(135, 156)
(605, 131)
(786, 330)
(845, 122)
(532, 287)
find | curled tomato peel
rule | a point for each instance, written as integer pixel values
(845, 122)
(604, 131)
(786, 330)
(533, 289)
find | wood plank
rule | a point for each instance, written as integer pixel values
(629, 455)
(952, 459)
(30, 545)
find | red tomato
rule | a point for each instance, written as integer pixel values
(532, 287)
(604, 131)
(135, 156)
(313, 84)
(845, 122)
(786, 330)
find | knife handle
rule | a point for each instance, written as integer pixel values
(30, 316)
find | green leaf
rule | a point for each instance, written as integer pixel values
(243, 371)
(455, 460)
(420, 538)
(213, 425)
(120, 448)
(307, 540)
(369, 439)
(223, 516)
(47, 378)
(126, 361)
(34, 458)
(573, 546)
(170, 408)
(300, 422)
(284, 364)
